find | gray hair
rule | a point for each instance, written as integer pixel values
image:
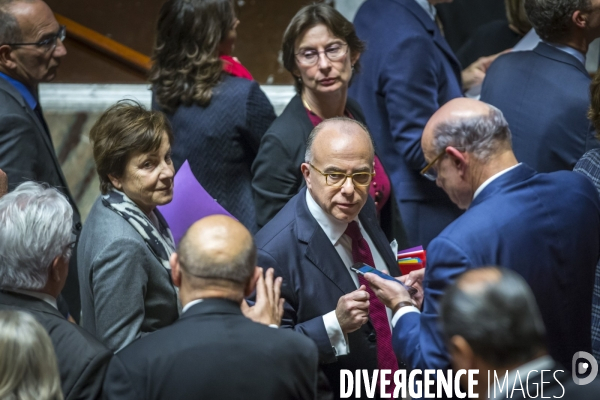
(28, 366)
(500, 320)
(10, 31)
(200, 263)
(552, 18)
(308, 154)
(481, 135)
(35, 228)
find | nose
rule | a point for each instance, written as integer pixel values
(60, 50)
(324, 62)
(167, 171)
(348, 187)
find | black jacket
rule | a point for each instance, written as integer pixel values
(82, 360)
(214, 352)
(276, 169)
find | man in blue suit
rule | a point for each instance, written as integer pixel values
(544, 226)
(315, 239)
(407, 73)
(544, 93)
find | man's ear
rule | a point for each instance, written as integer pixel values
(459, 159)
(580, 18)
(6, 60)
(305, 168)
(175, 269)
(251, 284)
(55, 268)
(116, 182)
(461, 353)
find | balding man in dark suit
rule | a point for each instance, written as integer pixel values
(214, 350)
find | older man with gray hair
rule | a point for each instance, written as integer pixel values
(36, 241)
(544, 93)
(546, 227)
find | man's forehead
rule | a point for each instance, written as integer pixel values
(339, 136)
(35, 18)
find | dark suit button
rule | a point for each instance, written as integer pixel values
(78, 226)
(372, 337)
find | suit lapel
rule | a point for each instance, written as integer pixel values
(45, 135)
(319, 250)
(434, 31)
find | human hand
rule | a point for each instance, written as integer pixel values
(352, 310)
(415, 280)
(3, 183)
(268, 309)
(474, 74)
(390, 293)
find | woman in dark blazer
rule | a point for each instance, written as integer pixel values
(125, 245)
(218, 113)
(321, 50)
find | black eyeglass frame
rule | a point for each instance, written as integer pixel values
(61, 34)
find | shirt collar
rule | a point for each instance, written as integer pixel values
(569, 50)
(541, 363)
(42, 296)
(29, 97)
(190, 304)
(492, 178)
(429, 9)
(333, 228)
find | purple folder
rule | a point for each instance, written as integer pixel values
(190, 203)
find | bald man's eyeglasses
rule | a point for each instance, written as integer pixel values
(429, 172)
(47, 44)
(337, 179)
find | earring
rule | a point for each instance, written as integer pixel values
(352, 68)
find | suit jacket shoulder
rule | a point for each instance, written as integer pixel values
(195, 355)
(82, 360)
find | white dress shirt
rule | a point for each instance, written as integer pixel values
(409, 309)
(429, 9)
(334, 230)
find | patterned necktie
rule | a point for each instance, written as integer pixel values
(377, 313)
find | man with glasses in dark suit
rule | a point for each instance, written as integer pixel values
(31, 49)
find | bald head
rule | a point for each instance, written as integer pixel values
(494, 310)
(469, 125)
(332, 134)
(218, 247)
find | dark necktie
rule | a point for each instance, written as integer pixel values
(377, 313)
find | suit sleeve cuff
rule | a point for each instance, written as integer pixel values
(402, 311)
(338, 340)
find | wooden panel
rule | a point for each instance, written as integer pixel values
(133, 24)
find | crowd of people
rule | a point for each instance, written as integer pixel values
(379, 150)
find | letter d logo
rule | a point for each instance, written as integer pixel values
(583, 367)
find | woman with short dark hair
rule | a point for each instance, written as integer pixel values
(125, 245)
(321, 50)
(218, 113)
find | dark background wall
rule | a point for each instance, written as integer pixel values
(132, 23)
